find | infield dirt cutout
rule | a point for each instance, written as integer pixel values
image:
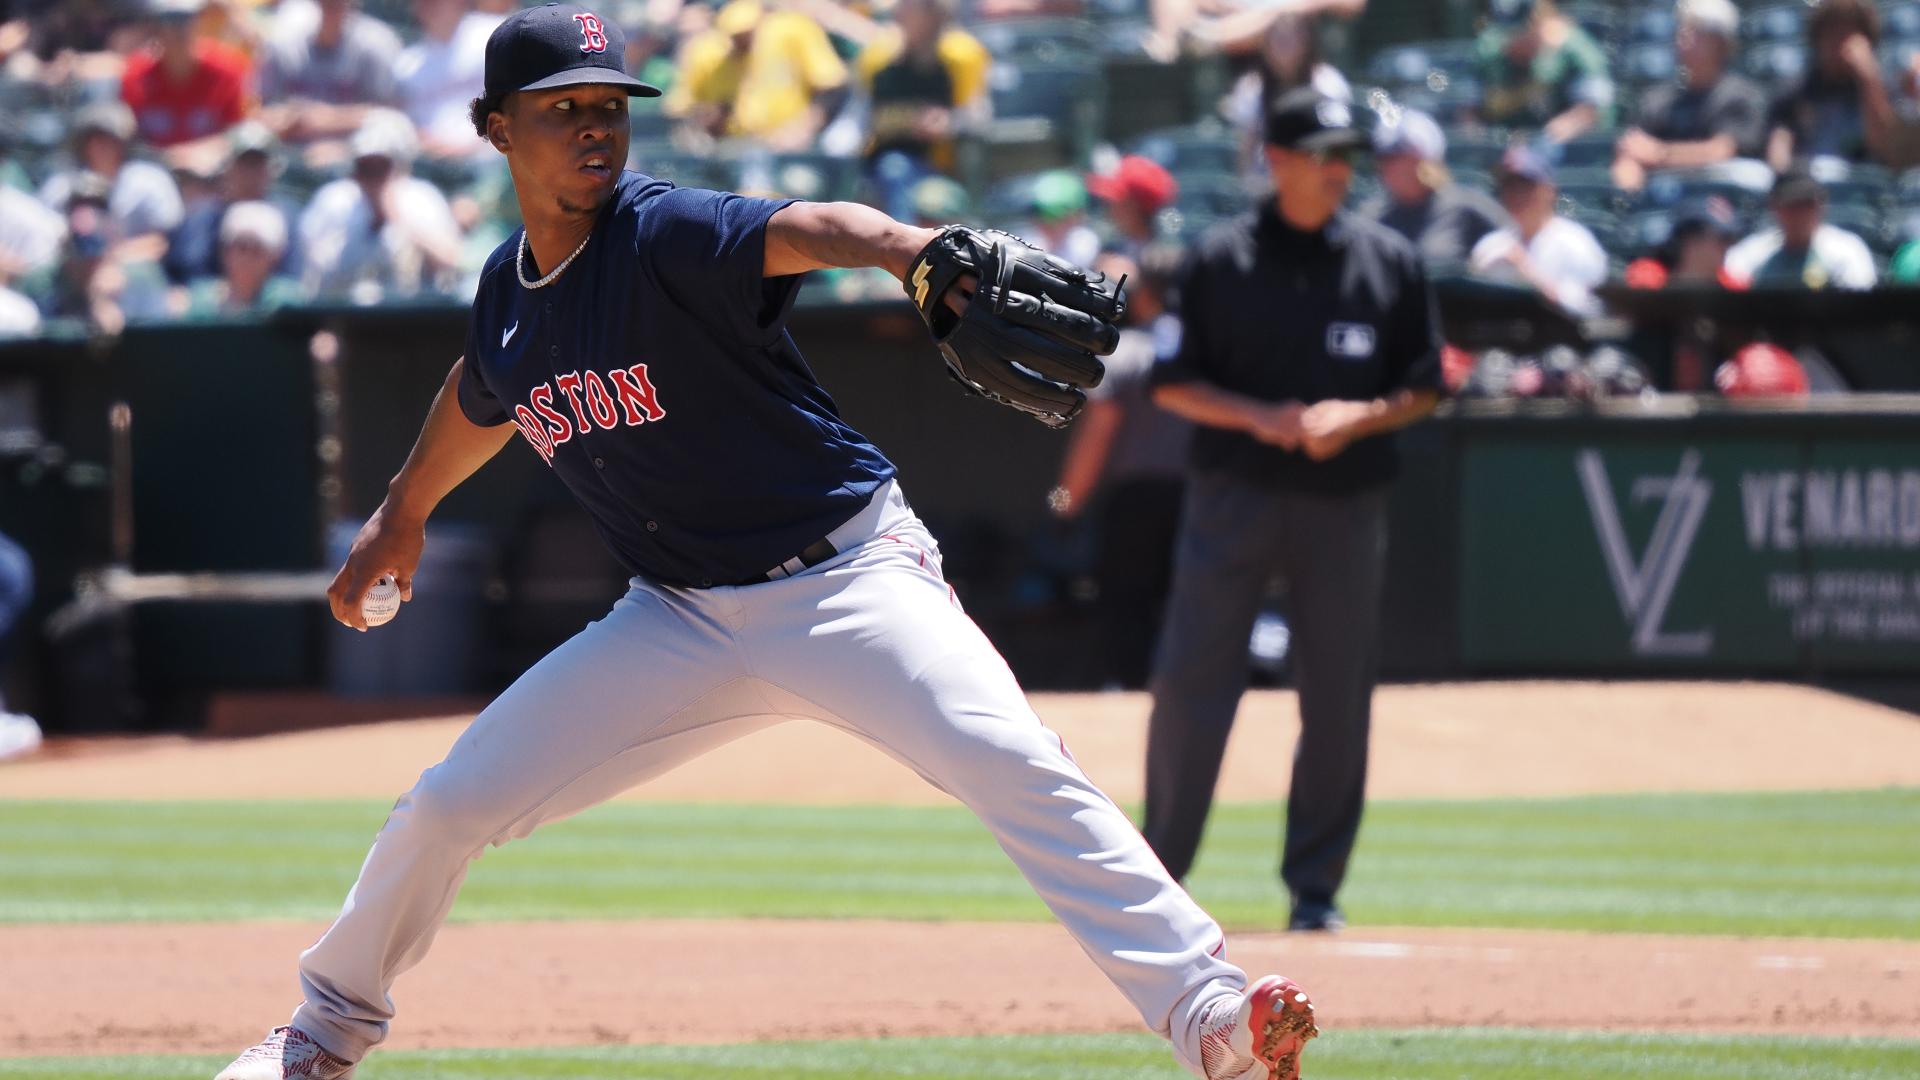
(215, 988)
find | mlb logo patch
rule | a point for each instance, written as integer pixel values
(1350, 341)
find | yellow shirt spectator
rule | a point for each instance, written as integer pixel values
(903, 91)
(965, 59)
(765, 67)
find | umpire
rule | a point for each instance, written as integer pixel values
(1307, 337)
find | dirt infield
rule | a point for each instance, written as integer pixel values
(211, 988)
(161, 988)
(1459, 740)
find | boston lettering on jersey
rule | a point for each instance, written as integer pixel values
(544, 427)
(656, 378)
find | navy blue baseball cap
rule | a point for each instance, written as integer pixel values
(557, 45)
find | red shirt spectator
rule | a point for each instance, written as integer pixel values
(171, 110)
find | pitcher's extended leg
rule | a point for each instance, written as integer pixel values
(877, 646)
(655, 683)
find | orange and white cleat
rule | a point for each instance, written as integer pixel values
(1257, 1036)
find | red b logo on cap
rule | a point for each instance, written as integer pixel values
(592, 35)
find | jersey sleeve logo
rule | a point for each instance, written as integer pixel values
(593, 35)
(631, 400)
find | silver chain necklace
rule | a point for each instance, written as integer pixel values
(520, 263)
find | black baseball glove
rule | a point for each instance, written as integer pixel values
(1034, 330)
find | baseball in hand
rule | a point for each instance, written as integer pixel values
(382, 602)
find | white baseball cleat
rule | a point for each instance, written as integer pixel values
(285, 1053)
(1258, 1035)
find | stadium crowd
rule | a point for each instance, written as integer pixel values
(188, 159)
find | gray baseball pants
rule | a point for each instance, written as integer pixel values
(871, 642)
(1331, 549)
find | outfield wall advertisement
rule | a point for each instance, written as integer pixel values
(1689, 553)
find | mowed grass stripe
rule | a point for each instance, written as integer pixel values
(1482, 1054)
(1843, 864)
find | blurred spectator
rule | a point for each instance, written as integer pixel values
(47, 28)
(1286, 56)
(19, 316)
(1027, 9)
(1135, 192)
(1905, 265)
(928, 81)
(1710, 116)
(182, 88)
(1762, 369)
(96, 279)
(319, 83)
(143, 199)
(381, 232)
(30, 236)
(770, 75)
(1840, 106)
(1541, 69)
(1800, 249)
(19, 734)
(439, 75)
(1235, 27)
(1134, 453)
(30, 233)
(1695, 252)
(1059, 226)
(253, 162)
(253, 237)
(1558, 257)
(1420, 201)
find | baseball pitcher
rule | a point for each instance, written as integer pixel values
(633, 334)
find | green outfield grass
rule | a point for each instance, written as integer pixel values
(1479, 1054)
(1828, 863)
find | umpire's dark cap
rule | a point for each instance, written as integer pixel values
(1307, 120)
(557, 45)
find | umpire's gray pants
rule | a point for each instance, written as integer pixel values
(1331, 549)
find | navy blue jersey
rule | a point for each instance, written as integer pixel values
(657, 378)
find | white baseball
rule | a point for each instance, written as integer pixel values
(382, 602)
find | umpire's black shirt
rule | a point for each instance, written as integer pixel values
(1275, 313)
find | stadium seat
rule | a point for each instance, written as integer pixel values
(1593, 188)
(814, 177)
(1896, 57)
(1646, 62)
(1208, 146)
(1774, 61)
(1417, 62)
(1473, 149)
(1669, 189)
(1059, 102)
(1590, 150)
(1045, 41)
(1900, 20)
(1644, 232)
(1775, 22)
(1647, 24)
